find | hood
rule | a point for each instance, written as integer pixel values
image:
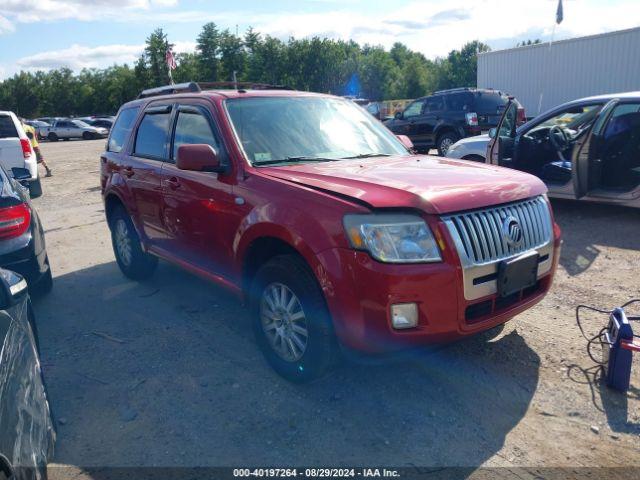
(481, 139)
(433, 184)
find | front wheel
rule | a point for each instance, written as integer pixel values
(291, 321)
(88, 136)
(52, 137)
(445, 141)
(134, 262)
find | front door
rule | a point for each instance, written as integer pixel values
(143, 169)
(197, 205)
(501, 146)
(607, 162)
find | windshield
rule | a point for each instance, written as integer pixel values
(80, 123)
(294, 129)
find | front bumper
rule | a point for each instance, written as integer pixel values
(360, 292)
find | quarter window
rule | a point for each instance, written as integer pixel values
(121, 128)
(193, 128)
(152, 134)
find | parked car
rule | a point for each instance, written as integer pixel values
(67, 129)
(22, 244)
(39, 127)
(323, 221)
(587, 148)
(440, 120)
(105, 123)
(27, 436)
(16, 151)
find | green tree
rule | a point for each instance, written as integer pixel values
(154, 57)
(208, 51)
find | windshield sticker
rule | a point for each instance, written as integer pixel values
(262, 157)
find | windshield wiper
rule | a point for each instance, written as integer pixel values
(368, 155)
(294, 160)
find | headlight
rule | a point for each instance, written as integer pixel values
(392, 238)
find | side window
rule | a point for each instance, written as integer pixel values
(121, 128)
(193, 127)
(460, 102)
(414, 109)
(624, 120)
(435, 104)
(151, 137)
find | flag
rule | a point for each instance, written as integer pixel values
(559, 13)
(170, 59)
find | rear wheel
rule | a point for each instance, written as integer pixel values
(35, 188)
(134, 262)
(445, 141)
(291, 321)
(52, 137)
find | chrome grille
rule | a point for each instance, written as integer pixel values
(479, 234)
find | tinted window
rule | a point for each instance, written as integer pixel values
(490, 102)
(460, 101)
(434, 104)
(414, 109)
(121, 128)
(7, 128)
(193, 128)
(152, 135)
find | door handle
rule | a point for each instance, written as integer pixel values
(127, 171)
(172, 183)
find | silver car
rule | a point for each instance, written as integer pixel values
(68, 128)
(586, 149)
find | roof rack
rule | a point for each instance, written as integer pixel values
(195, 87)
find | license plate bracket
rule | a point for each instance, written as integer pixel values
(517, 274)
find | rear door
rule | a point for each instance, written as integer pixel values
(197, 205)
(433, 110)
(143, 168)
(10, 148)
(500, 149)
(586, 164)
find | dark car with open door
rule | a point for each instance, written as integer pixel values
(27, 433)
(587, 149)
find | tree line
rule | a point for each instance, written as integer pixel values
(316, 64)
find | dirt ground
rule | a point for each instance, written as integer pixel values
(166, 372)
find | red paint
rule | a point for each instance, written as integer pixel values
(206, 222)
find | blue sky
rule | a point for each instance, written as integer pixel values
(41, 34)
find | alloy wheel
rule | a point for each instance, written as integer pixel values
(123, 242)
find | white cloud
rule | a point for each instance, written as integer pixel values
(78, 57)
(5, 25)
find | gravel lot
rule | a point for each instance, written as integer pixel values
(166, 372)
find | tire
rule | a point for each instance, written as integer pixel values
(52, 137)
(307, 358)
(88, 136)
(445, 141)
(132, 260)
(44, 284)
(35, 188)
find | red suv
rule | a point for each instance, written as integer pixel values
(323, 221)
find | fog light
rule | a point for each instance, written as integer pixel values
(404, 315)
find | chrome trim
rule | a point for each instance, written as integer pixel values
(481, 242)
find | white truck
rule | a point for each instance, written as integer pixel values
(16, 153)
(67, 128)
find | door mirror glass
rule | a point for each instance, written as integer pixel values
(492, 132)
(198, 157)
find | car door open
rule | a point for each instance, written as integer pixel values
(501, 145)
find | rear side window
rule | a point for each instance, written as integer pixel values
(152, 134)
(193, 127)
(7, 127)
(121, 128)
(462, 102)
(434, 104)
(489, 102)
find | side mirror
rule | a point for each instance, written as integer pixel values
(21, 174)
(493, 132)
(198, 157)
(398, 115)
(406, 141)
(12, 287)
